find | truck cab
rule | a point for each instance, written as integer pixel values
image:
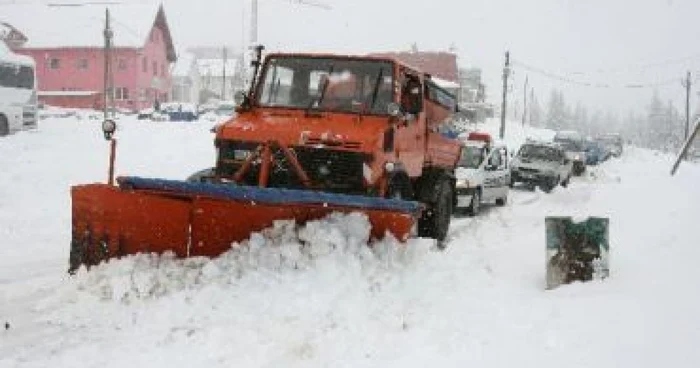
(358, 125)
(482, 173)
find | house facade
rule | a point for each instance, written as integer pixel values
(219, 78)
(185, 79)
(71, 69)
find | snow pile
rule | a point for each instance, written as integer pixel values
(337, 240)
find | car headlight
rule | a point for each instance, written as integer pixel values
(462, 183)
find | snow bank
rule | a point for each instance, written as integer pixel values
(339, 240)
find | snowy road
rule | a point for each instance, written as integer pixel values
(479, 303)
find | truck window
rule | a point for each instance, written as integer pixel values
(15, 76)
(328, 84)
(495, 159)
(471, 157)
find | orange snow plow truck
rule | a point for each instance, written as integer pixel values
(315, 134)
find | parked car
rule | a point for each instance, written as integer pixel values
(613, 142)
(573, 144)
(180, 111)
(151, 114)
(542, 164)
(595, 152)
(482, 173)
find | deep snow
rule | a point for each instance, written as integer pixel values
(335, 302)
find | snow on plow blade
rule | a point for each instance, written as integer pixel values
(201, 219)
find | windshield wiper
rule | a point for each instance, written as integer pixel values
(319, 100)
(375, 92)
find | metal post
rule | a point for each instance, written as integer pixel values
(685, 147)
(107, 55)
(112, 155)
(253, 23)
(525, 100)
(687, 105)
(223, 84)
(506, 73)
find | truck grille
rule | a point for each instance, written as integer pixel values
(329, 170)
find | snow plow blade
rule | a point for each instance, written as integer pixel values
(202, 219)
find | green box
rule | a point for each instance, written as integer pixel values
(576, 251)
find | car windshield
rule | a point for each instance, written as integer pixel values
(539, 152)
(571, 146)
(471, 157)
(328, 84)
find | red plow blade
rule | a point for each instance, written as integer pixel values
(200, 219)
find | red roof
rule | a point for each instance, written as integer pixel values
(439, 64)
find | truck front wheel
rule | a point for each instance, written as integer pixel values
(435, 221)
(4, 126)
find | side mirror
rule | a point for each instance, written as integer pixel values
(240, 98)
(393, 109)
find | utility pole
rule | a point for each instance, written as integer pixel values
(525, 100)
(687, 85)
(223, 84)
(506, 73)
(108, 88)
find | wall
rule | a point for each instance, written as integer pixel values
(152, 84)
(127, 68)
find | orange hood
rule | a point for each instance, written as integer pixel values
(293, 127)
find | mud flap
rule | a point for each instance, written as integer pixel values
(576, 251)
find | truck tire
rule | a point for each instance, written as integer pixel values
(548, 185)
(475, 203)
(565, 183)
(4, 126)
(400, 187)
(501, 201)
(435, 220)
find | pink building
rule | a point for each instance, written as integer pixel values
(67, 44)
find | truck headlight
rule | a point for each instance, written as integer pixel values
(462, 183)
(241, 154)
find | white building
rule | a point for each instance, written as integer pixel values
(217, 78)
(186, 82)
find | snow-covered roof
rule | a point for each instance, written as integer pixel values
(215, 67)
(445, 83)
(7, 55)
(183, 66)
(50, 26)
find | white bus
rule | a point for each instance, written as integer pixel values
(18, 96)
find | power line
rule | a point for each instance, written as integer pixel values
(590, 84)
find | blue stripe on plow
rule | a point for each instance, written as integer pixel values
(270, 195)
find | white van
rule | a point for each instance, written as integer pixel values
(482, 174)
(18, 97)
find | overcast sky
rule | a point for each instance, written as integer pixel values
(617, 42)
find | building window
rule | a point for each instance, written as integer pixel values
(162, 70)
(121, 93)
(155, 68)
(144, 65)
(82, 63)
(121, 64)
(54, 63)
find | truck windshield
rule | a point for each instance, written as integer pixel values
(471, 157)
(327, 84)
